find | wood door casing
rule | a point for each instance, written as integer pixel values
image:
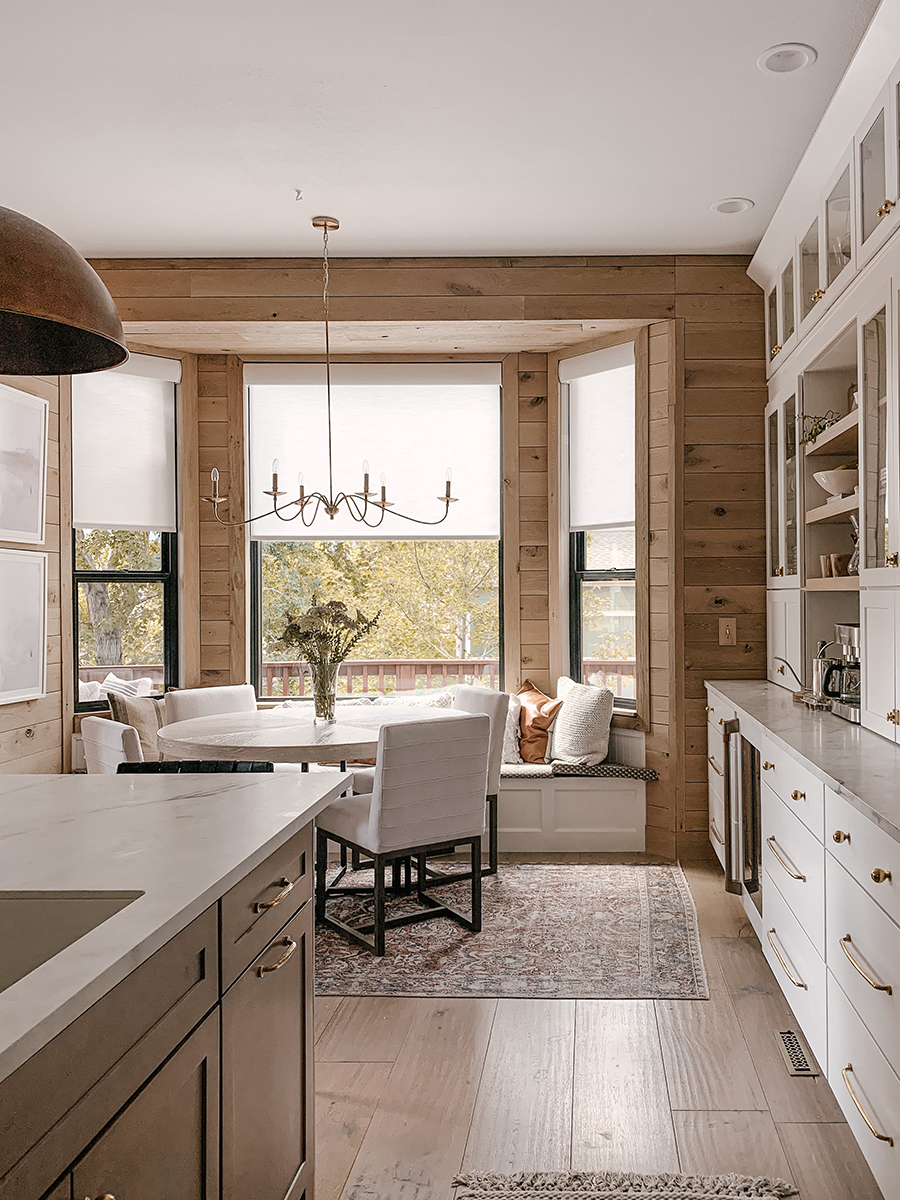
(164, 1145)
(267, 1076)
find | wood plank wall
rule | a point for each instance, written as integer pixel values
(707, 396)
(32, 733)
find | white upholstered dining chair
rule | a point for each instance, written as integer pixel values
(187, 703)
(108, 743)
(428, 793)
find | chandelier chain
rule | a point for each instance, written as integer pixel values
(327, 360)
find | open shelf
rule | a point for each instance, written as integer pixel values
(839, 583)
(840, 438)
(835, 513)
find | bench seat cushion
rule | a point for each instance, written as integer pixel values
(606, 770)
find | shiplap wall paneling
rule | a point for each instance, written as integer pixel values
(534, 610)
(31, 732)
(721, 510)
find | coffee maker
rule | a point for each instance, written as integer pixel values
(842, 681)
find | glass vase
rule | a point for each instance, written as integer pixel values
(324, 686)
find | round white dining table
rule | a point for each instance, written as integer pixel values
(288, 735)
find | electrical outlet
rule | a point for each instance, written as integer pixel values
(727, 631)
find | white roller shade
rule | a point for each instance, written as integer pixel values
(411, 422)
(123, 449)
(601, 437)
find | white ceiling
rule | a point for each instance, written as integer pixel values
(474, 127)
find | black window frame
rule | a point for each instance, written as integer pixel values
(578, 574)
(168, 576)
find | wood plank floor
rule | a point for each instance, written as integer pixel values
(411, 1091)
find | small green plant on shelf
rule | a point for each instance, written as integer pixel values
(815, 425)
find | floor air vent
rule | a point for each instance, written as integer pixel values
(797, 1055)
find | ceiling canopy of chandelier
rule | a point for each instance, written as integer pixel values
(365, 506)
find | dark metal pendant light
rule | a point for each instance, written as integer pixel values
(56, 316)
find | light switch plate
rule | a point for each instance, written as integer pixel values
(727, 631)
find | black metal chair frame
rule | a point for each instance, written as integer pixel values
(379, 862)
(199, 766)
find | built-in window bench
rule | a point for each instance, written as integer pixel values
(560, 808)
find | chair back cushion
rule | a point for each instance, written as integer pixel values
(209, 702)
(430, 782)
(495, 705)
(108, 743)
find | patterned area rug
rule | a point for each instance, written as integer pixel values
(586, 1186)
(559, 931)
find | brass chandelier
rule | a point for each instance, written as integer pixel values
(366, 507)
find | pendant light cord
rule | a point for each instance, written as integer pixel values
(327, 358)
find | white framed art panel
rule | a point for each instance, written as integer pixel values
(23, 466)
(23, 625)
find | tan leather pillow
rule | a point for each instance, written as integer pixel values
(538, 714)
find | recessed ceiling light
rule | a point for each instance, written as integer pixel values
(786, 57)
(732, 204)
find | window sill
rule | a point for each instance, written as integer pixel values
(626, 720)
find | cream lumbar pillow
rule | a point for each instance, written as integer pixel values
(581, 732)
(511, 733)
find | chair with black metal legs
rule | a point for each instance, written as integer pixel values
(428, 793)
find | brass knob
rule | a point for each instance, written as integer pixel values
(893, 716)
(709, 708)
(779, 571)
(839, 836)
(892, 560)
(817, 295)
(884, 209)
(781, 669)
(879, 876)
(795, 795)
(776, 350)
(767, 766)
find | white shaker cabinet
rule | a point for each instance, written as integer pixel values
(785, 636)
(878, 618)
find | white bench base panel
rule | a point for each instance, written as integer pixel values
(571, 814)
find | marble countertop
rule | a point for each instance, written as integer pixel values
(854, 762)
(181, 840)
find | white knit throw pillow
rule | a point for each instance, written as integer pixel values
(581, 731)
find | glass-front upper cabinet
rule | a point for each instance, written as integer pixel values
(878, 474)
(876, 174)
(781, 320)
(782, 500)
(810, 269)
(838, 210)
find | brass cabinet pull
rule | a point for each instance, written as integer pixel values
(892, 560)
(780, 670)
(793, 874)
(767, 766)
(795, 795)
(776, 350)
(884, 209)
(715, 766)
(839, 836)
(709, 708)
(105, 1196)
(879, 987)
(787, 970)
(286, 888)
(279, 963)
(715, 832)
(879, 876)
(779, 571)
(893, 716)
(882, 1137)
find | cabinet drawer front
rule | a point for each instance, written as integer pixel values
(717, 823)
(874, 947)
(867, 849)
(257, 907)
(789, 849)
(267, 1113)
(782, 935)
(716, 753)
(802, 792)
(876, 1086)
(81, 1079)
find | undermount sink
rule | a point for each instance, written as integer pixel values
(35, 926)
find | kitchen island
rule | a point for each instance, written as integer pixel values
(156, 974)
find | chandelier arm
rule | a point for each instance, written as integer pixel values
(416, 521)
(358, 514)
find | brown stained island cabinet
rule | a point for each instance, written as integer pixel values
(192, 1078)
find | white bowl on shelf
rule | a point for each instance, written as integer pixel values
(837, 483)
